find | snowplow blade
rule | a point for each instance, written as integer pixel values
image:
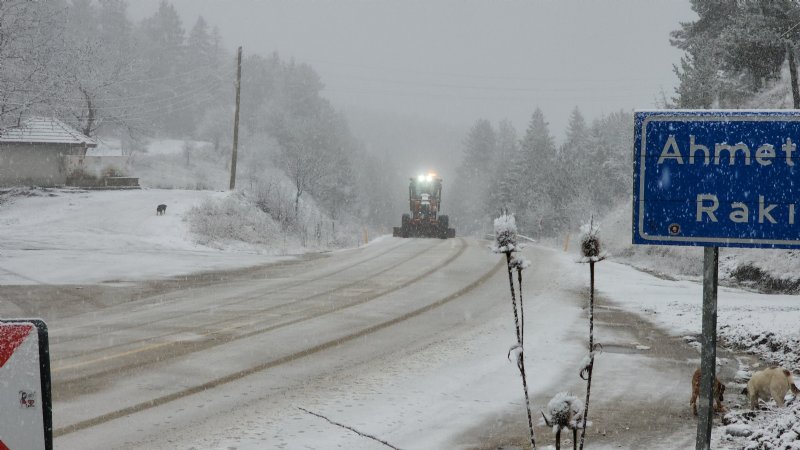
(424, 231)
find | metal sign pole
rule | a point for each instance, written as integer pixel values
(708, 358)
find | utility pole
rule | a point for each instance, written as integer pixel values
(236, 118)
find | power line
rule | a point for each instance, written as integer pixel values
(423, 84)
(218, 77)
(178, 106)
(404, 93)
(464, 75)
(165, 101)
(171, 76)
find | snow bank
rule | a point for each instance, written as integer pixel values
(775, 429)
(232, 221)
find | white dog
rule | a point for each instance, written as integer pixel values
(774, 382)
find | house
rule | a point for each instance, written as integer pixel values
(35, 153)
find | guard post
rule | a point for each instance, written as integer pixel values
(715, 178)
(26, 416)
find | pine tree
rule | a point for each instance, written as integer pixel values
(162, 39)
(575, 166)
(472, 187)
(538, 158)
(698, 86)
(577, 132)
(611, 136)
(506, 172)
(754, 42)
(115, 27)
(200, 46)
(201, 63)
(733, 49)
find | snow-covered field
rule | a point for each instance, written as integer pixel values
(59, 237)
(74, 237)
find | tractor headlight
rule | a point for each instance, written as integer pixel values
(421, 178)
(428, 178)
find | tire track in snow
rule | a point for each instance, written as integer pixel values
(222, 336)
(183, 315)
(276, 362)
(289, 358)
(220, 339)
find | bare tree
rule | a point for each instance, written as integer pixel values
(303, 152)
(314, 149)
(93, 65)
(28, 30)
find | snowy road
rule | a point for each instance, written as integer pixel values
(138, 373)
(161, 342)
(402, 339)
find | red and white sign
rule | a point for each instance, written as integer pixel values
(22, 409)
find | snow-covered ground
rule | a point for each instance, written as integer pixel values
(75, 237)
(764, 325)
(58, 237)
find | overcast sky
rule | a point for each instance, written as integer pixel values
(459, 60)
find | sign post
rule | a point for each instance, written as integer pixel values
(25, 403)
(708, 352)
(716, 178)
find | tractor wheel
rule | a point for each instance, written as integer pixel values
(444, 223)
(405, 225)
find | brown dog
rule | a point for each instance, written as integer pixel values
(774, 382)
(719, 389)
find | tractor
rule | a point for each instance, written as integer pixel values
(424, 220)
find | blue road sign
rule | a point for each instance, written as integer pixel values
(724, 178)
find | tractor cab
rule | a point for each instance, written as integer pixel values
(424, 197)
(424, 194)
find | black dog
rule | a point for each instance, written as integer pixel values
(161, 210)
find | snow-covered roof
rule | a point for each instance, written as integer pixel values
(44, 130)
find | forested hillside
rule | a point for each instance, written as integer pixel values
(550, 188)
(736, 50)
(87, 63)
(736, 55)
